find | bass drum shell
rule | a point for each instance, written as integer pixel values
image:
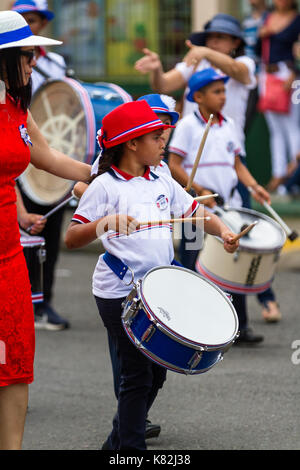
(251, 269)
(68, 113)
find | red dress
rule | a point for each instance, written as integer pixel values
(17, 339)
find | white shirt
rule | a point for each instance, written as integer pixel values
(149, 197)
(236, 95)
(216, 169)
(56, 69)
(161, 168)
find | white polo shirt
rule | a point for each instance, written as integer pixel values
(149, 197)
(236, 94)
(52, 64)
(216, 169)
(162, 168)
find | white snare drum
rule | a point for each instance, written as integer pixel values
(250, 270)
(35, 256)
(180, 320)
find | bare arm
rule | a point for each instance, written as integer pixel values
(161, 82)
(227, 64)
(45, 158)
(179, 173)
(79, 235)
(244, 175)
(27, 219)
(216, 227)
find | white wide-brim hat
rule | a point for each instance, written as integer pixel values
(15, 32)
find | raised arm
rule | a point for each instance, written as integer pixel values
(161, 82)
(229, 66)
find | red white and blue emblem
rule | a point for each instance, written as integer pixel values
(25, 135)
(162, 202)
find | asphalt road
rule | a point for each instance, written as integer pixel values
(249, 401)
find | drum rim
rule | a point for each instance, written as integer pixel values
(266, 218)
(170, 332)
(167, 364)
(91, 146)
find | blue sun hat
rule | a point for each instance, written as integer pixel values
(221, 23)
(200, 79)
(162, 104)
(33, 6)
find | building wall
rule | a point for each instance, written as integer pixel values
(6, 4)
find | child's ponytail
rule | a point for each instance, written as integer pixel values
(109, 157)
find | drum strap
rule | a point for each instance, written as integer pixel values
(119, 268)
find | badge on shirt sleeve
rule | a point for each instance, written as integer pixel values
(25, 135)
(162, 202)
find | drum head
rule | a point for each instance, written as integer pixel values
(267, 235)
(189, 306)
(64, 114)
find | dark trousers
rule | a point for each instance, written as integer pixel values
(140, 381)
(52, 234)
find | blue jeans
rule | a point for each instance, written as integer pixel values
(139, 381)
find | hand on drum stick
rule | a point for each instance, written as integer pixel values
(260, 194)
(291, 234)
(33, 223)
(245, 231)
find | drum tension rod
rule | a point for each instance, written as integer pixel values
(148, 334)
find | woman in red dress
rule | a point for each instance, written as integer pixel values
(21, 142)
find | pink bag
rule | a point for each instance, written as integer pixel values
(273, 95)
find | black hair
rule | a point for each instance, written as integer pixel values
(239, 51)
(11, 72)
(293, 7)
(111, 156)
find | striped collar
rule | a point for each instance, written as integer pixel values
(203, 120)
(148, 175)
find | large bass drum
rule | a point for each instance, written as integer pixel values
(250, 270)
(68, 113)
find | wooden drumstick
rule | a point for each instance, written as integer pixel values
(244, 232)
(173, 221)
(203, 198)
(201, 147)
(291, 234)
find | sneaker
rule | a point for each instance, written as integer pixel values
(45, 318)
(271, 312)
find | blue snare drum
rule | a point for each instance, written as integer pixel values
(180, 320)
(68, 113)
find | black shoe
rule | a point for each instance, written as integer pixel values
(152, 430)
(247, 337)
(46, 318)
(106, 445)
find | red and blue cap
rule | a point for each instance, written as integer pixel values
(33, 6)
(126, 122)
(200, 79)
(162, 104)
